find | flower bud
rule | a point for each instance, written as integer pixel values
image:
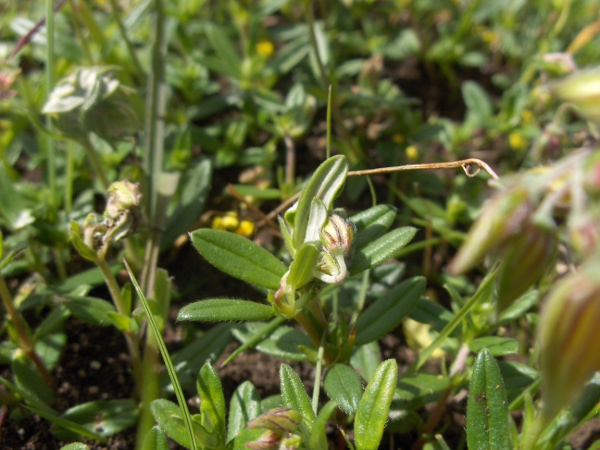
(501, 219)
(583, 90)
(569, 336)
(337, 235)
(267, 441)
(122, 195)
(528, 257)
(279, 420)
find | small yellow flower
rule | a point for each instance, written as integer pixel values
(527, 115)
(412, 153)
(245, 229)
(265, 47)
(516, 141)
(228, 222)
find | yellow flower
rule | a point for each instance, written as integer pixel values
(412, 153)
(245, 229)
(526, 115)
(265, 47)
(516, 141)
(228, 222)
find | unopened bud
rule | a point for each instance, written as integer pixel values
(502, 218)
(337, 235)
(583, 90)
(122, 195)
(279, 420)
(570, 337)
(267, 441)
(528, 257)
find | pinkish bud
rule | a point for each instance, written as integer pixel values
(337, 235)
(267, 441)
(569, 336)
(279, 420)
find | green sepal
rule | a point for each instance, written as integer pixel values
(325, 184)
(487, 410)
(83, 250)
(225, 309)
(303, 267)
(239, 257)
(382, 249)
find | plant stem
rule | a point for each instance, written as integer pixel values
(96, 163)
(49, 86)
(24, 341)
(130, 337)
(123, 32)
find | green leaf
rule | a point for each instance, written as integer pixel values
(168, 417)
(414, 391)
(372, 413)
(432, 314)
(225, 309)
(194, 187)
(103, 417)
(282, 343)
(207, 347)
(212, 403)
(487, 410)
(239, 257)
(29, 379)
(496, 345)
(365, 359)
(325, 185)
(388, 311)
(478, 103)
(294, 395)
(244, 437)
(155, 440)
(50, 348)
(343, 385)
(382, 249)
(225, 50)
(372, 223)
(304, 265)
(244, 406)
(517, 377)
(318, 438)
(75, 446)
(520, 307)
(89, 309)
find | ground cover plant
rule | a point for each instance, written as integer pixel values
(305, 225)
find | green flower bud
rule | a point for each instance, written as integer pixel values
(569, 336)
(501, 219)
(527, 258)
(122, 196)
(583, 90)
(337, 235)
(279, 420)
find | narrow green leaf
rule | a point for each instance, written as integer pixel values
(224, 48)
(388, 311)
(155, 440)
(103, 417)
(343, 385)
(487, 410)
(318, 438)
(414, 391)
(372, 413)
(244, 406)
(261, 334)
(239, 257)
(496, 345)
(387, 246)
(304, 265)
(372, 223)
(168, 417)
(294, 395)
(75, 446)
(212, 403)
(325, 185)
(365, 359)
(282, 343)
(50, 348)
(89, 309)
(29, 379)
(225, 309)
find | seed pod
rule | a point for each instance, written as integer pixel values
(528, 257)
(569, 336)
(501, 219)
